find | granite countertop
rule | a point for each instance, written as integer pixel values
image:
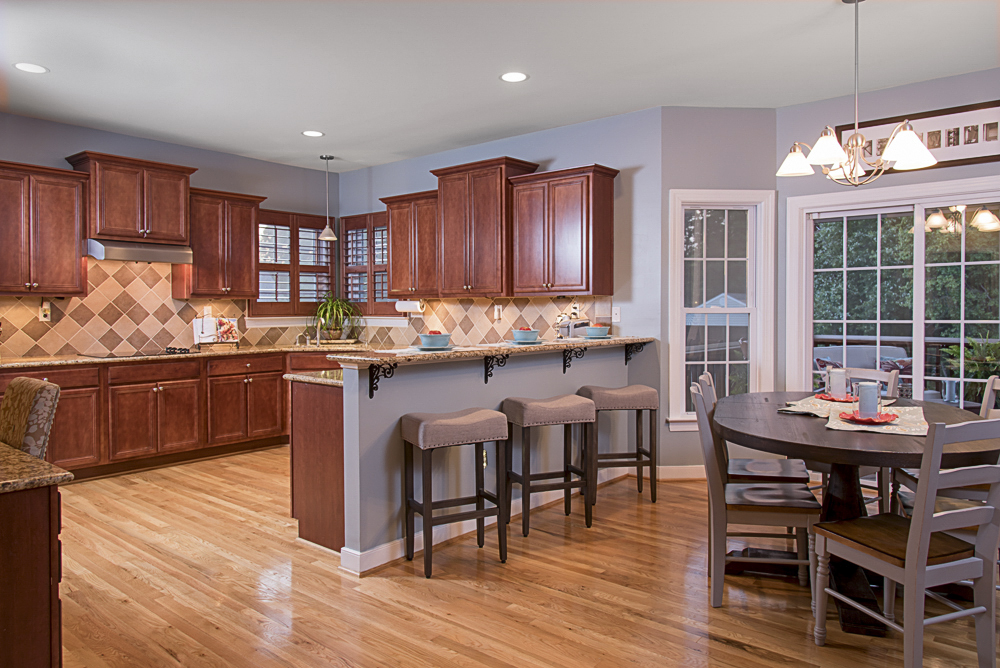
(334, 377)
(19, 470)
(411, 355)
(70, 360)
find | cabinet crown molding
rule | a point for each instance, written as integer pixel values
(504, 161)
(84, 158)
(204, 192)
(563, 173)
(424, 194)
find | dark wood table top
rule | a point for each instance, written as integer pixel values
(753, 420)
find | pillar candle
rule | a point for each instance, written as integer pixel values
(868, 400)
(838, 383)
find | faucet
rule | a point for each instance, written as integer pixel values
(560, 319)
(302, 335)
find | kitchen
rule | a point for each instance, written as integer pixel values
(182, 536)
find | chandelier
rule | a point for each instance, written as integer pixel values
(847, 164)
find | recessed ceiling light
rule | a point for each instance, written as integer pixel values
(514, 77)
(312, 133)
(31, 67)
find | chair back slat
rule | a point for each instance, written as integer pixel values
(708, 389)
(716, 475)
(890, 378)
(924, 521)
(986, 410)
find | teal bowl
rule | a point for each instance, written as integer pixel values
(435, 340)
(598, 331)
(525, 335)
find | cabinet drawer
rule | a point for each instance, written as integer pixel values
(64, 378)
(246, 364)
(154, 372)
(310, 362)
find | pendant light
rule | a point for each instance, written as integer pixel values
(327, 233)
(847, 164)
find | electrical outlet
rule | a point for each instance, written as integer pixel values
(616, 314)
(497, 311)
(45, 312)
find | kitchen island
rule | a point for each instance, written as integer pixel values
(378, 387)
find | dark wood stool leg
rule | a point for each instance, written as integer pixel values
(595, 470)
(427, 512)
(503, 501)
(525, 479)
(654, 445)
(589, 470)
(567, 461)
(638, 449)
(408, 497)
(509, 466)
(480, 484)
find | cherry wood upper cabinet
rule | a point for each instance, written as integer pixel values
(563, 232)
(474, 210)
(136, 200)
(413, 244)
(42, 218)
(224, 245)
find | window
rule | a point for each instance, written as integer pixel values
(295, 267)
(720, 241)
(366, 263)
(910, 283)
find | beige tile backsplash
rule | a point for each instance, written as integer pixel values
(129, 308)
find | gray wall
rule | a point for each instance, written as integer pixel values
(40, 142)
(804, 123)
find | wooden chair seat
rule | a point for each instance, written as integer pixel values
(768, 470)
(884, 537)
(773, 497)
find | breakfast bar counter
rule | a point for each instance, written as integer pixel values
(349, 430)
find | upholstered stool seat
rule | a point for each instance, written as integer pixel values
(432, 431)
(566, 410)
(636, 398)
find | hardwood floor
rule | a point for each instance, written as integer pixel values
(198, 565)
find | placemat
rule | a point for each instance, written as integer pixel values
(820, 407)
(911, 422)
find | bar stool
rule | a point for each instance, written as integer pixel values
(636, 398)
(567, 410)
(430, 431)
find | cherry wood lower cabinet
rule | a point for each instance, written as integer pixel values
(30, 572)
(150, 418)
(246, 398)
(227, 409)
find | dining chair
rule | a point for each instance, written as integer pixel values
(752, 470)
(918, 552)
(882, 476)
(756, 504)
(26, 414)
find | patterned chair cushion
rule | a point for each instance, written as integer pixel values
(26, 414)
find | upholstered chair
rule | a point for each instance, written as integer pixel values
(26, 414)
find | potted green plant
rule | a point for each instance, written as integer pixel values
(335, 315)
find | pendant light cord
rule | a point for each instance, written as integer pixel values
(856, 39)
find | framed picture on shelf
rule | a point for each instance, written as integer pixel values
(965, 135)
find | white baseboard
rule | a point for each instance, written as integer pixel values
(360, 563)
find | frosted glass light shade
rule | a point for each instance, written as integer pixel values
(795, 164)
(986, 221)
(826, 150)
(838, 173)
(327, 234)
(936, 221)
(907, 151)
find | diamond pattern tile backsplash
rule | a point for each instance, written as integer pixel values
(129, 308)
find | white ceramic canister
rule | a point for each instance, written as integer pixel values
(838, 383)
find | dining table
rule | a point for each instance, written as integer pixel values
(752, 420)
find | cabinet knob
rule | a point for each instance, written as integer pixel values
(156, 389)
(45, 379)
(34, 285)
(246, 380)
(248, 365)
(27, 285)
(250, 379)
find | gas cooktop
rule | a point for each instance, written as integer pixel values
(167, 351)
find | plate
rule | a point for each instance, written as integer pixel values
(434, 349)
(826, 397)
(597, 338)
(883, 418)
(525, 343)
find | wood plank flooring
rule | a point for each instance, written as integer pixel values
(199, 565)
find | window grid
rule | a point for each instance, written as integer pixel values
(312, 286)
(313, 251)
(275, 287)
(357, 287)
(274, 244)
(356, 248)
(381, 245)
(382, 287)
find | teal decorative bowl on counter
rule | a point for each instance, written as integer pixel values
(598, 331)
(435, 340)
(525, 335)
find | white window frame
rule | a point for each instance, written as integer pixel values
(761, 284)
(799, 257)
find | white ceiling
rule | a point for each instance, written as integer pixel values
(392, 80)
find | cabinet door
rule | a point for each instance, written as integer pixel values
(227, 409)
(401, 241)
(453, 206)
(118, 191)
(178, 415)
(14, 274)
(569, 229)
(485, 241)
(75, 440)
(425, 264)
(208, 246)
(267, 405)
(132, 424)
(165, 206)
(57, 215)
(241, 257)
(530, 223)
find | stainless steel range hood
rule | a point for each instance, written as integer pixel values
(129, 251)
